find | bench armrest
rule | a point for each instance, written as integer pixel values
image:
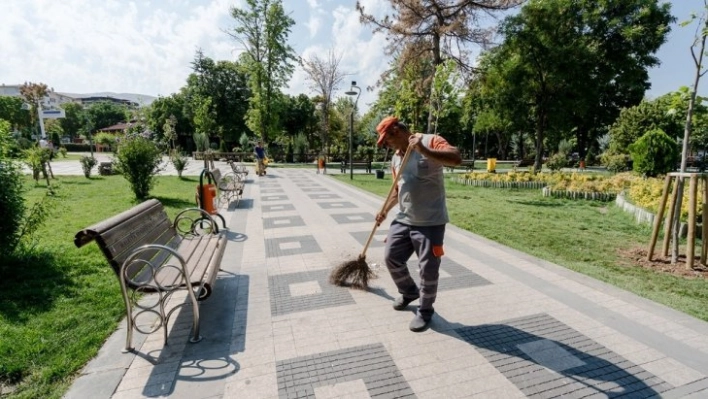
(193, 222)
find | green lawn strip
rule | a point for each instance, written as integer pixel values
(60, 302)
(584, 236)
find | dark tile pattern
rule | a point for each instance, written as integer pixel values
(314, 189)
(545, 358)
(275, 247)
(361, 217)
(272, 190)
(265, 198)
(277, 208)
(298, 377)
(459, 276)
(282, 221)
(324, 196)
(282, 302)
(337, 205)
(376, 242)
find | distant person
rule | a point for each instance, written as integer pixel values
(260, 158)
(419, 224)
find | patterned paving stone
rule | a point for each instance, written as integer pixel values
(344, 218)
(314, 189)
(277, 208)
(324, 196)
(300, 377)
(286, 246)
(282, 221)
(299, 292)
(452, 275)
(274, 198)
(337, 205)
(272, 190)
(545, 358)
(376, 242)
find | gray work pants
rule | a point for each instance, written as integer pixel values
(401, 242)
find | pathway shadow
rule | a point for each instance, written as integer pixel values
(541, 366)
(182, 369)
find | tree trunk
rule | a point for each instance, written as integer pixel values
(684, 152)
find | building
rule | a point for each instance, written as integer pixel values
(51, 101)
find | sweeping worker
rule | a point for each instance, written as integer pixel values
(419, 224)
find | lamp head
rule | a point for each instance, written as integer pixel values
(351, 91)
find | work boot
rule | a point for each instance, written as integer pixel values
(420, 322)
(402, 302)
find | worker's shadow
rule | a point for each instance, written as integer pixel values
(533, 354)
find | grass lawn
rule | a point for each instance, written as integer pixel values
(59, 303)
(585, 236)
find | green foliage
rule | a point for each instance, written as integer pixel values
(12, 205)
(634, 122)
(300, 147)
(655, 153)
(201, 140)
(614, 162)
(179, 161)
(36, 158)
(557, 161)
(62, 151)
(87, 164)
(138, 159)
(107, 139)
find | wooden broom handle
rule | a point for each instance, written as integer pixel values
(388, 197)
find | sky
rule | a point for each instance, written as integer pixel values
(145, 47)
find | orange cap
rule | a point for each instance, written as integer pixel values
(384, 126)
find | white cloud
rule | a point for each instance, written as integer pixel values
(313, 25)
(79, 46)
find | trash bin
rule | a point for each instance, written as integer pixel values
(491, 165)
(379, 174)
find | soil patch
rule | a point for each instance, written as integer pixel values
(638, 257)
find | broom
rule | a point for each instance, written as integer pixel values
(357, 273)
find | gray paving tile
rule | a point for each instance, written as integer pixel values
(295, 245)
(324, 196)
(337, 205)
(320, 294)
(370, 363)
(266, 198)
(541, 366)
(282, 222)
(360, 217)
(277, 208)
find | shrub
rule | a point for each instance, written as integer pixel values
(87, 163)
(655, 153)
(62, 151)
(614, 162)
(138, 159)
(557, 161)
(106, 139)
(180, 162)
(12, 206)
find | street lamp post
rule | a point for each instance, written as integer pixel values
(351, 92)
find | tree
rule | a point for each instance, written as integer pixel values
(160, 111)
(105, 113)
(74, 118)
(263, 29)
(324, 76)
(439, 29)
(227, 85)
(33, 94)
(700, 43)
(11, 111)
(576, 63)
